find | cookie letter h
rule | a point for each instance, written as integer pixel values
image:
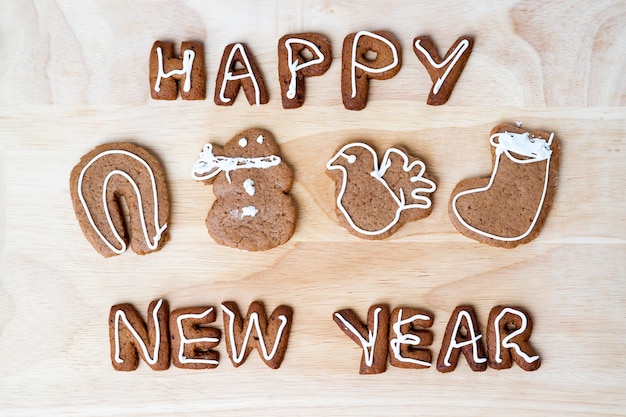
(169, 73)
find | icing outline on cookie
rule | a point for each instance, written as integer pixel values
(294, 67)
(455, 345)
(354, 64)
(184, 341)
(372, 334)
(454, 57)
(252, 322)
(188, 57)
(406, 338)
(120, 314)
(228, 75)
(505, 341)
(158, 228)
(209, 165)
(378, 173)
(535, 149)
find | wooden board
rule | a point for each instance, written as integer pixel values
(74, 75)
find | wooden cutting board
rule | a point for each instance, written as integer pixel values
(74, 75)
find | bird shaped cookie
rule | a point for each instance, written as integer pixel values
(374, 201)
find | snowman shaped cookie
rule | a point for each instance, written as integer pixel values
(252, 210)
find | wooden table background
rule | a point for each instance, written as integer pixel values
(74, 75)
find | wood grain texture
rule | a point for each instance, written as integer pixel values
(75, 76)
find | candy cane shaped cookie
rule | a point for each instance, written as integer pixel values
(97, 185)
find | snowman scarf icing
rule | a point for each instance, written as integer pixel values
(209, 165)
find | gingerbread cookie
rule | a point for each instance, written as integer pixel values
(230, 78)
(97, 184)
(462, 335)
(408, 338)
(130, 338)
(508, 331)
(251, 181)
(192, 341)
(445, 72)
(367, 55)
(300, 55)
(372, 338)
(268, 336)
(169, 73)
(510, 207)
(373, 201)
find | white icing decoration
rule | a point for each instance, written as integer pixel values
(120, 314)
(368, 345)
(378, 173)
(159, 229)
(250, 211)
(472, 341)
(406, 339)
(454, 57)
(184, 341)
(228, 76)
(243, 142)
(248, 186)
(354, 64)
(260, 139)
(506, 342)
(188, 57)
(294, 66)
(209, 165)
(535, 149)
(253, 322)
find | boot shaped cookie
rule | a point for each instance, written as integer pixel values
(509, 208)
(250, 181)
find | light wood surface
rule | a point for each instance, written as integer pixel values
(74, 75)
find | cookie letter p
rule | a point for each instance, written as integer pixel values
(357, 67)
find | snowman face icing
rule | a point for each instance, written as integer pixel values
(251, 147)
